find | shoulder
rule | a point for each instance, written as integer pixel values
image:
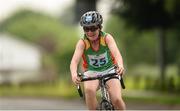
(108, 38)
(86, 42)
(106, 35)
(80, 44)
(103, 37)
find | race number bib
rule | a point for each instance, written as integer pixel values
(98, 60)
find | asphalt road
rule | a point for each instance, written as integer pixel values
(16, 103)
(8, 103)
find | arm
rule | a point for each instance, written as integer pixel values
(75, 61)
(116, 53)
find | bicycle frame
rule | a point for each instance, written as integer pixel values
(105, 99)
(103, 88)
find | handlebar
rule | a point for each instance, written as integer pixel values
(94, 78)
(80, 91)
(122, 82)
(101, 76)
(104, 76)
(97, 77)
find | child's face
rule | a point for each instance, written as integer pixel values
(92, 32)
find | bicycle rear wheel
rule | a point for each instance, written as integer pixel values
(106, 105)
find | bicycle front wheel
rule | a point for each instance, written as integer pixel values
(106, 105)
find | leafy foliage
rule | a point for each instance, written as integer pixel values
(145, 14)
(153, 14)
(132, 44)
(34, 26)
(55, 38)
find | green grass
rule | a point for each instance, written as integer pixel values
(148, 77)
(161, 100)
(64, 89)
(58, 89)
(68, 91)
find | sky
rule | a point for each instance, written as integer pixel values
(53, 7)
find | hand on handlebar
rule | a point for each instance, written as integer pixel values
(76, 79)
(120, 70)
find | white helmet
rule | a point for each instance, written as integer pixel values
(91, 18)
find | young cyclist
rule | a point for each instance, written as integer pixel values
(99, 52)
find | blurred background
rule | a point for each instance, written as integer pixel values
(38, 38)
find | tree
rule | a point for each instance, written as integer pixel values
(83, 6)
(151, 14)
(55, 38)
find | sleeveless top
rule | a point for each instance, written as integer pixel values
(99, 60)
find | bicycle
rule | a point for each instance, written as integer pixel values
(105, 103)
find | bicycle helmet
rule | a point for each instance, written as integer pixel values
(91, 18)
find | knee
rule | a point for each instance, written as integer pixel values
(90, 91)
(119, 103)
(117, 100)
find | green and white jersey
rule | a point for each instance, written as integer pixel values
(99, 60)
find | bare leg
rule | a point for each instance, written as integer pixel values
(114, 88)
(90, 88)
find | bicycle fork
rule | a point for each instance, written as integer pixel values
(105, 99)
(104, 92)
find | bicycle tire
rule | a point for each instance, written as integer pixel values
(106, 105)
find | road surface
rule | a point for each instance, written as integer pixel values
(24, 103)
